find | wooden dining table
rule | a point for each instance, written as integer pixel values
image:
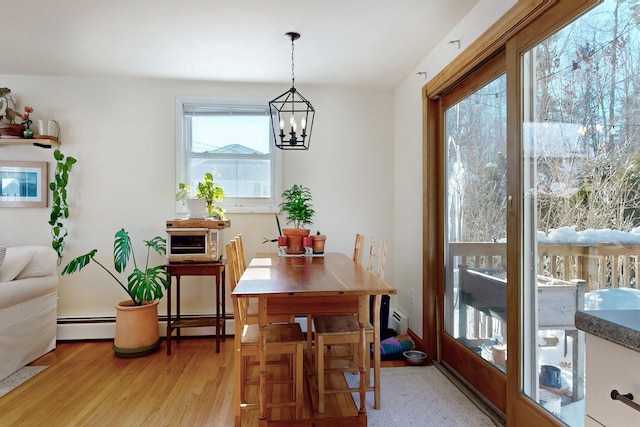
(312, 285)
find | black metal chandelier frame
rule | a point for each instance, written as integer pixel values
(292, 114)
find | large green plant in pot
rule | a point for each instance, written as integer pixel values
(135, 336)
(298, 209)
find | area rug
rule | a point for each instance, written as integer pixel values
(419, 396)
(19, 377)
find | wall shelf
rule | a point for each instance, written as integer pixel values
(37, 142)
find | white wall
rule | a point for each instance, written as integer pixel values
(364, 169)
(408, 155)
(123, 134)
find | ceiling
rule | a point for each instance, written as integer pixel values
(344, 42)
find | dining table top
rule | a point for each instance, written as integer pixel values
(329, 274)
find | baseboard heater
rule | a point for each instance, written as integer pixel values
(98, 328)
(398, 321)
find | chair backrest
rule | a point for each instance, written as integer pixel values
(380, 254)
(358, 249)
(235, 262)
(233, 280)
(242, 263)
(239, 305)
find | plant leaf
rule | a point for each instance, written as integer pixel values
(121, 250)
(78, 263)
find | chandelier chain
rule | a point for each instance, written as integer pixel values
(293, 77)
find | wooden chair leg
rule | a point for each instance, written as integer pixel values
(309, 343)
(299, 395)
(243, 379)
(320, 372)
(239, 387)
(367, 372)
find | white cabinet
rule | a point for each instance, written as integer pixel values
(609, 367)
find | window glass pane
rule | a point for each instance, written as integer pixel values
(475, 136)
(581, 193)
(236, 134)
(238, 177)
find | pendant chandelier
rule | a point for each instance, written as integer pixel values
(291, 114)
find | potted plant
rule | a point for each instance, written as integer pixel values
(207, 193)
(137, 329)
(297, 207)
(318, 243)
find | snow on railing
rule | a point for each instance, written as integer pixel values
(600, 265)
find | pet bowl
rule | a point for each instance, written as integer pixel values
(415, 357)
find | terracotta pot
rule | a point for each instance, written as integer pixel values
(294, 239)
(318, 243)
(11, 129)
(137, 329)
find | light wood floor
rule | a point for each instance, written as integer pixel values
(86, 385)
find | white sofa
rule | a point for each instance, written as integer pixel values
(28, 305)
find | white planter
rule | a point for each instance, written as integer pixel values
(196, 207)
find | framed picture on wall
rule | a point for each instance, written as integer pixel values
(23, 184)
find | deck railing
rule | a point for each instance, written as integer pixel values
(600, 265)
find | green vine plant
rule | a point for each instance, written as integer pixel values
(59, 205)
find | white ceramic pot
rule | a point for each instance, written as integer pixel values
(196, 207)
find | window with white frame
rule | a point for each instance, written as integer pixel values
(232, 139)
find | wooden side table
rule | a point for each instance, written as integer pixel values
(216, 269)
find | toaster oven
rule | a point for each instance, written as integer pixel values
(195, 240)
(193, 245)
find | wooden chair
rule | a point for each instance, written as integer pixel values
(235, 272)
(242, 263)
(341, 330)
(379, 255)
(282, 339)
(358, 248)
(233, 262)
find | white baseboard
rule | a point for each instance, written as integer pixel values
(78, 329)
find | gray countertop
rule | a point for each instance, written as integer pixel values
(618, 326)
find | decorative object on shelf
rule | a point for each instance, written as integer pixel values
(8, 112)
(49, 129)
(137, 329)
(299, 211)
(24, 184)
(293, 110)
(11, 130)
(59, 205)
(26, 122)
(206, 190)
